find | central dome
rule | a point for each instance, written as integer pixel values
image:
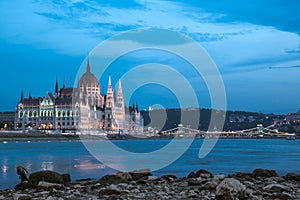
(88, 78)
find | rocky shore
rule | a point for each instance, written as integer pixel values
(141, 184)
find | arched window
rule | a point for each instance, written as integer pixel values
(30, 113)
(59, 114)
(63, 114)
(21, 114)
(68, 113)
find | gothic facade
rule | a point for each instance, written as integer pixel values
(80, 108)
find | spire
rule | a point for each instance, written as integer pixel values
(29, 95)
(64, 86)
(22, 97)
(109, 80)
(109, 95)
(56, 86)
(120, 94)
(88, 67)
(137, 107)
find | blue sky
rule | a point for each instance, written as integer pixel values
(255, 44)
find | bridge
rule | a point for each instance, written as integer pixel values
(259, 131)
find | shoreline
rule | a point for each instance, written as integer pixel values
(42, 137)
(141, 184)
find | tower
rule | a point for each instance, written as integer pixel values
(109, 106)
(120, 108)
(109, 95)
(56, 94)
(22, 97)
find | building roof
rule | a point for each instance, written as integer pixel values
(66, 92)
(88, 78)
(64, 101)
(31, 102)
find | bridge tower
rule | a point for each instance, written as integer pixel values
(260, 130)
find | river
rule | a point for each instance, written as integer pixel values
(228, 156)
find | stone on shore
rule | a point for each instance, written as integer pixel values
(142, 173)
(200, 185)
(230, 189)
(264, 173)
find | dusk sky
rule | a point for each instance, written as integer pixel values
(255, 45)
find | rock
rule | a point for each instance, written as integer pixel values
(215, 181)
(192, 175)
(138, 174)
(240, 175)
(151, 178)
(275, 188)
(292, 177)
(125, 175)
(112, 179)
(47, 176)
(278, 179)
(21, 186)
(203, 174)
(193, 183)
(230, 189)
(264, 173)
(169, 177)
(21, 197)
(42, 185)
(108, 191)
(283, 195)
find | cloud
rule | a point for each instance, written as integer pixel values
(76, 27)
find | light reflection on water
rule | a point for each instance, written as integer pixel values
(228, 156)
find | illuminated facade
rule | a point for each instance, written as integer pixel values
(81, 108)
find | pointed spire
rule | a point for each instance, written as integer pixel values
(109, 80)
(109, 95)
(88, 67)
(56, 86)
(22, 97)
(137, 107)
(64, 86)
(29, 95)
(120, 94)
(120, 84)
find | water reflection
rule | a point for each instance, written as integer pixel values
(4, 167)
(47, 166)
(88, 165)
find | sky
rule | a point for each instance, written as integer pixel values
(255, 45)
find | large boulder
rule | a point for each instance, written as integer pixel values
(47, 176)
(264, 173)
(292, 177)
(119, 177)
(139, 174)
(33, 179)
(276, 188)
(230, 189)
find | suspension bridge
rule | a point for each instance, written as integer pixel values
(258, 132)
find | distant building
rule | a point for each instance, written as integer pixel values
(79, 108)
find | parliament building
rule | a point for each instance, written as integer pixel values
(79, 109)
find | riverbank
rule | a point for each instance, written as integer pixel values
(35, 137)
(38, 136)
(141, 184)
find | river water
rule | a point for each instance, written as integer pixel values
(228, 156)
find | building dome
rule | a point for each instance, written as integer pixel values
(88, 78)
